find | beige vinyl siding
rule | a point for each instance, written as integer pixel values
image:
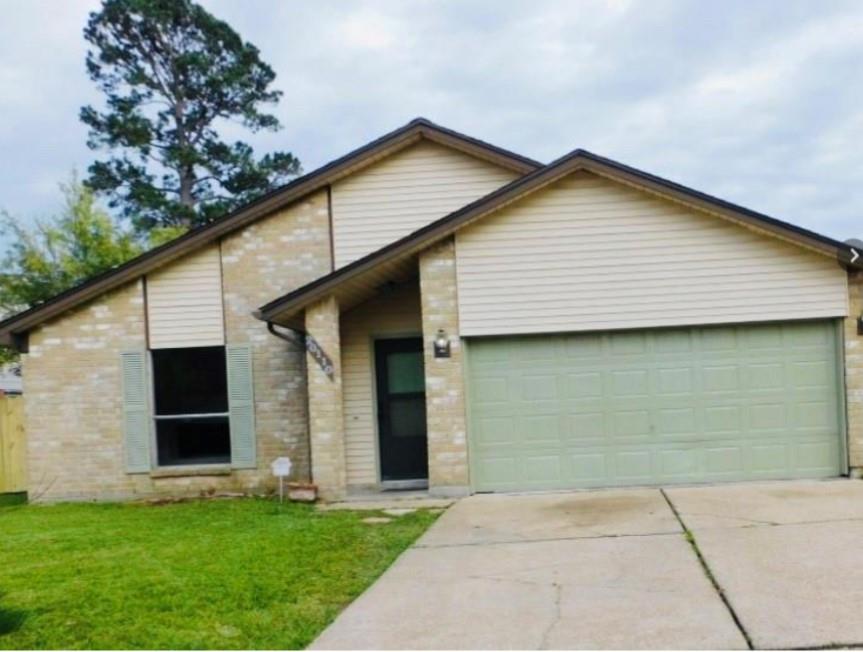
(591, 254)
(184, 302)
(404, 192)
(395, 314)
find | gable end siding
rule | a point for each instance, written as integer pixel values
(590, 254)
(184, 302)
(404, 192)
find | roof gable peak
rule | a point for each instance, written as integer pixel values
(257, 209)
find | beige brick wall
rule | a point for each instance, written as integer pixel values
(445, 399)
(72, 399)
(72, 374)
(259, 263)
(326, 409)
(854, 370)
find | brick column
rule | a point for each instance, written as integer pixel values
(326, 415)
(445, 403)
(854, 372)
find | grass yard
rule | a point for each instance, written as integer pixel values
(206, 574)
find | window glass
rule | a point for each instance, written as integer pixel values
(193, 441)
(190, 381)
(408, 416)
(191, 401)
(405, 372)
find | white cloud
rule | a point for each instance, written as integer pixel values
(368, 30)
(760, 103)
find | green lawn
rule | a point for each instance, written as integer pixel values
(206, 574)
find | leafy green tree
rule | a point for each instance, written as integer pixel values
(172, 73)
(59, 252)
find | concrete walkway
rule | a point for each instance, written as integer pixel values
(614, 569)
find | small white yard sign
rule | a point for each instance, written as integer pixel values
(281, 467)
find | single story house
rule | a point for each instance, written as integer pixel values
(434, 311)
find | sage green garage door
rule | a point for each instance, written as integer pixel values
(654, 406)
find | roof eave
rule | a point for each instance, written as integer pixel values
(269, 203)
(288, 305)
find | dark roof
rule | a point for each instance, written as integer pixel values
(576, 160)
(416, 129)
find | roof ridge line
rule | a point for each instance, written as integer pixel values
(248, 213)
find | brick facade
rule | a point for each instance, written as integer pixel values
(854, 372)
(73, 405)
(72, 374)
(326, 408)
(261, 262)
(445, 395)
(73, 402)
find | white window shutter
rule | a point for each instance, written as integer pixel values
(241, 404)
(136, 412)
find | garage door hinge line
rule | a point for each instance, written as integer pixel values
(690, 537)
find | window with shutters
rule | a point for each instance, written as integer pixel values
(190, 391)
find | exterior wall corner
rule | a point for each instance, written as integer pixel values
(445, 390)
(326, 407)
(854, 370)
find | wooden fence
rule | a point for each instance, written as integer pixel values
(13, 457)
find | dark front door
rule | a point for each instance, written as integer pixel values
(401, 409)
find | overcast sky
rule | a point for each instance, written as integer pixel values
(760, 103)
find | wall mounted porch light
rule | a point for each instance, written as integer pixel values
(441, 344)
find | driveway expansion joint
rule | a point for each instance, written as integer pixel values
(587, 537)
(830, 646)
(690, 537)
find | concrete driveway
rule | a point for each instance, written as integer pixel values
(617, 569)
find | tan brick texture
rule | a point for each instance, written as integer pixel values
(445, 398)
(72, 380)
(326, 410)
(72, 398)
(854, 371)
(264, 261)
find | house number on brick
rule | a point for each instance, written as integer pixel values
(320, 356)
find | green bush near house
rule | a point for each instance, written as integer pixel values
(205, 574)
(14, 498)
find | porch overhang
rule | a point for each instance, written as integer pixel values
(349, 289)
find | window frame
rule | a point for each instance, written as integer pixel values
(155, 418)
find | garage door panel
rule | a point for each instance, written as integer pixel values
(720, 419)
(814, 415)
(589, 427)
(673, 342)
(540, 387)
(720, 378)
(584, 385)
(770, 459)
(680, 464)
(815, 456)
(541, 428)
(680, 405)
(590, 467)
(675, 380)
(724, 462)
(763, 376)
(632, 467)
(678, 421)
(629, 344)
(810, 374)
(584, 347)
(491, 390)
